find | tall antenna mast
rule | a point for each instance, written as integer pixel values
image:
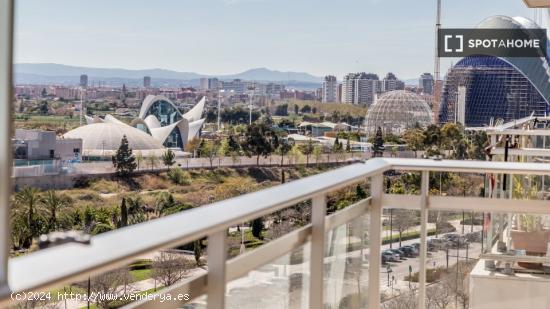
(437, 27)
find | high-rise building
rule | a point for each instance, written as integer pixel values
(391, 83)
(84, 81)
(147, 81)
(478, 89)
(496, 87)
(236, 85)
(426, 82)
(213, 84)
(360, 88)
(330, 89)
(203, 84)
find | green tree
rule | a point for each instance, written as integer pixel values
(192, 146)
(44, 108)
(317, 153)
(123, 213)
(53, 203)
(478, 143)
(153, 161)
(168, 158)
(295, 154)
(414, 138)
(164, 202)
(283, 149)
(209, 150)
(281, 110)
(451, 135)
(360, 193)
(136, 210)
(378, 144)
(296, 109)
(260, 140)
(124, 160)
(28, 208)
(139, 159)
(307, 149)
(257, 228)
(336, 146)
(433, 139)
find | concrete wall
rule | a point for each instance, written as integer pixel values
(65, 149)
(40, 143)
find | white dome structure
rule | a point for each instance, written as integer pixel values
(103, 139)
(395, 111)
(160, 125)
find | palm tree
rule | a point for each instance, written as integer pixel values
(27, 206)
(53, 203)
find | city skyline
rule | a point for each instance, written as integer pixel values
(216, 39)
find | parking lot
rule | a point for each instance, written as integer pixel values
(438, 256)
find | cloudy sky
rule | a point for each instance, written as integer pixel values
(229, 36)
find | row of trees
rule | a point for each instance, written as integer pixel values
(261, 140)
(125, 162)
(450, 140)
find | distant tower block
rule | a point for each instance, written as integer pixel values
(84, 81)
(147, 81)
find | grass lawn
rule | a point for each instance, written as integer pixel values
(141, 274)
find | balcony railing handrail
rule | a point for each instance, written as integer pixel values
(75, 262)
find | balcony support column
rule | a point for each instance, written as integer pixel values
(6, 87)
(317, 265)
(375, 240)
(217, 253)
(424, 190)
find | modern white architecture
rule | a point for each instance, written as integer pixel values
(159, 124)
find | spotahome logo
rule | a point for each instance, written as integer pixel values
(492, 42)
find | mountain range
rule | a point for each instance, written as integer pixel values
(60, 73)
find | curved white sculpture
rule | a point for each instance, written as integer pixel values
(111, 130)
(195, 113)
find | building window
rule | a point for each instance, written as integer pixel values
(52, 152)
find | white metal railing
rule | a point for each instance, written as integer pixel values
(41, 270)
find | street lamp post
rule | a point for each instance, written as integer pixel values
(219, 107)
(251, 92)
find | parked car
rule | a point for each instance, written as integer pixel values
(439, 244)
(456, 240)
(400, 253)
(409, 251)
(390, 256)
(384, 258)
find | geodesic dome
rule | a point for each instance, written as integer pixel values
(395, 111)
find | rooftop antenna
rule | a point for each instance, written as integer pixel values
(437, 27)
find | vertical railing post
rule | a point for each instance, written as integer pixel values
(6, 86)
(217, 252)
(375, 240)
(424, 190)
(317, 265)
